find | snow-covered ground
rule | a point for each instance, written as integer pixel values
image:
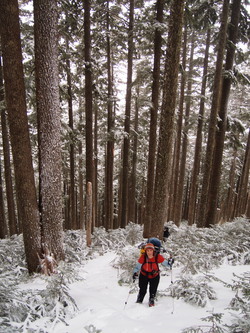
(93, 291)
(102, 303)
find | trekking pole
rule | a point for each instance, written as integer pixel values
(172, 304)
(171, 274)
(171, 261)
(126, 302)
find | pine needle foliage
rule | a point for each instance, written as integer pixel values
(193, 290)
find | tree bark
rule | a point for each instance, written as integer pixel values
(153, 119)
(72, 192)
(88, 95)
(126, 140)
(192, 209)
(95, 171)
(227, 208)
(89, 210)
(242, 201)
(109, 166)
(132, 187)
(11, 211)
(3, 226)
(19, 131)
(164, 155)
(214, 184)
(173, 205)
(180, 190)
(80, 177)
(49, 125)
(202, 215)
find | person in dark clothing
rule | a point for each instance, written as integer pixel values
(166, 233)
(149, 272)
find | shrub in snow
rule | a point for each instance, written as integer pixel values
(125, 263)
(240, 305)
(91, 329)
(214, 327)
(193, 290)
(133, 233)
(201, 249)
(75, 246)
(116, 239)
(24, 310)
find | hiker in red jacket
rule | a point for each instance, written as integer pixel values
(149, 272)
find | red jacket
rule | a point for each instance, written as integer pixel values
(150, 267)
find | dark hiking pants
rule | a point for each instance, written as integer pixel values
(143, 285)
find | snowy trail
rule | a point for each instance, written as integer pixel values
(101, 302)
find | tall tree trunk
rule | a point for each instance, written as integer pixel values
(180, 190)
(19, 131)
(213, 118)
(12, 220)
(109, 166)
(72, 195)
(153, 119)
(243, 188)
(132, 188)
(95, 172)
(88, 96)
(66, 225)
(247, 211)
(89, 211)
(177, 154)
(49, 125)
(214, 185)
(126, 141)
(198, 143)
(3, 226)
(228, 204)
(80, 177)
(164, 155)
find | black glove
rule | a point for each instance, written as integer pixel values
(171, 262)
(135, 275)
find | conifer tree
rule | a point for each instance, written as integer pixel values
(19, 132)
(164, 154)
(49, 134)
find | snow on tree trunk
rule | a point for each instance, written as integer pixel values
(164, 155)
(19, 131)
(49, 125)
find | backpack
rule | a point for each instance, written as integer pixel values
(155, 241)
(157, 244)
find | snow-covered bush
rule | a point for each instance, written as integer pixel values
(125, 263)
(116, 239)
(23, 309)
(240, 305)
(214, 326)
(193, 290)
(75, 246)
(201, 249)
(91, 329)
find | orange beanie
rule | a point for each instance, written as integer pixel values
(149, 246)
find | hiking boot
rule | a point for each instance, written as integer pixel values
(151, 302)
(139, 300)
